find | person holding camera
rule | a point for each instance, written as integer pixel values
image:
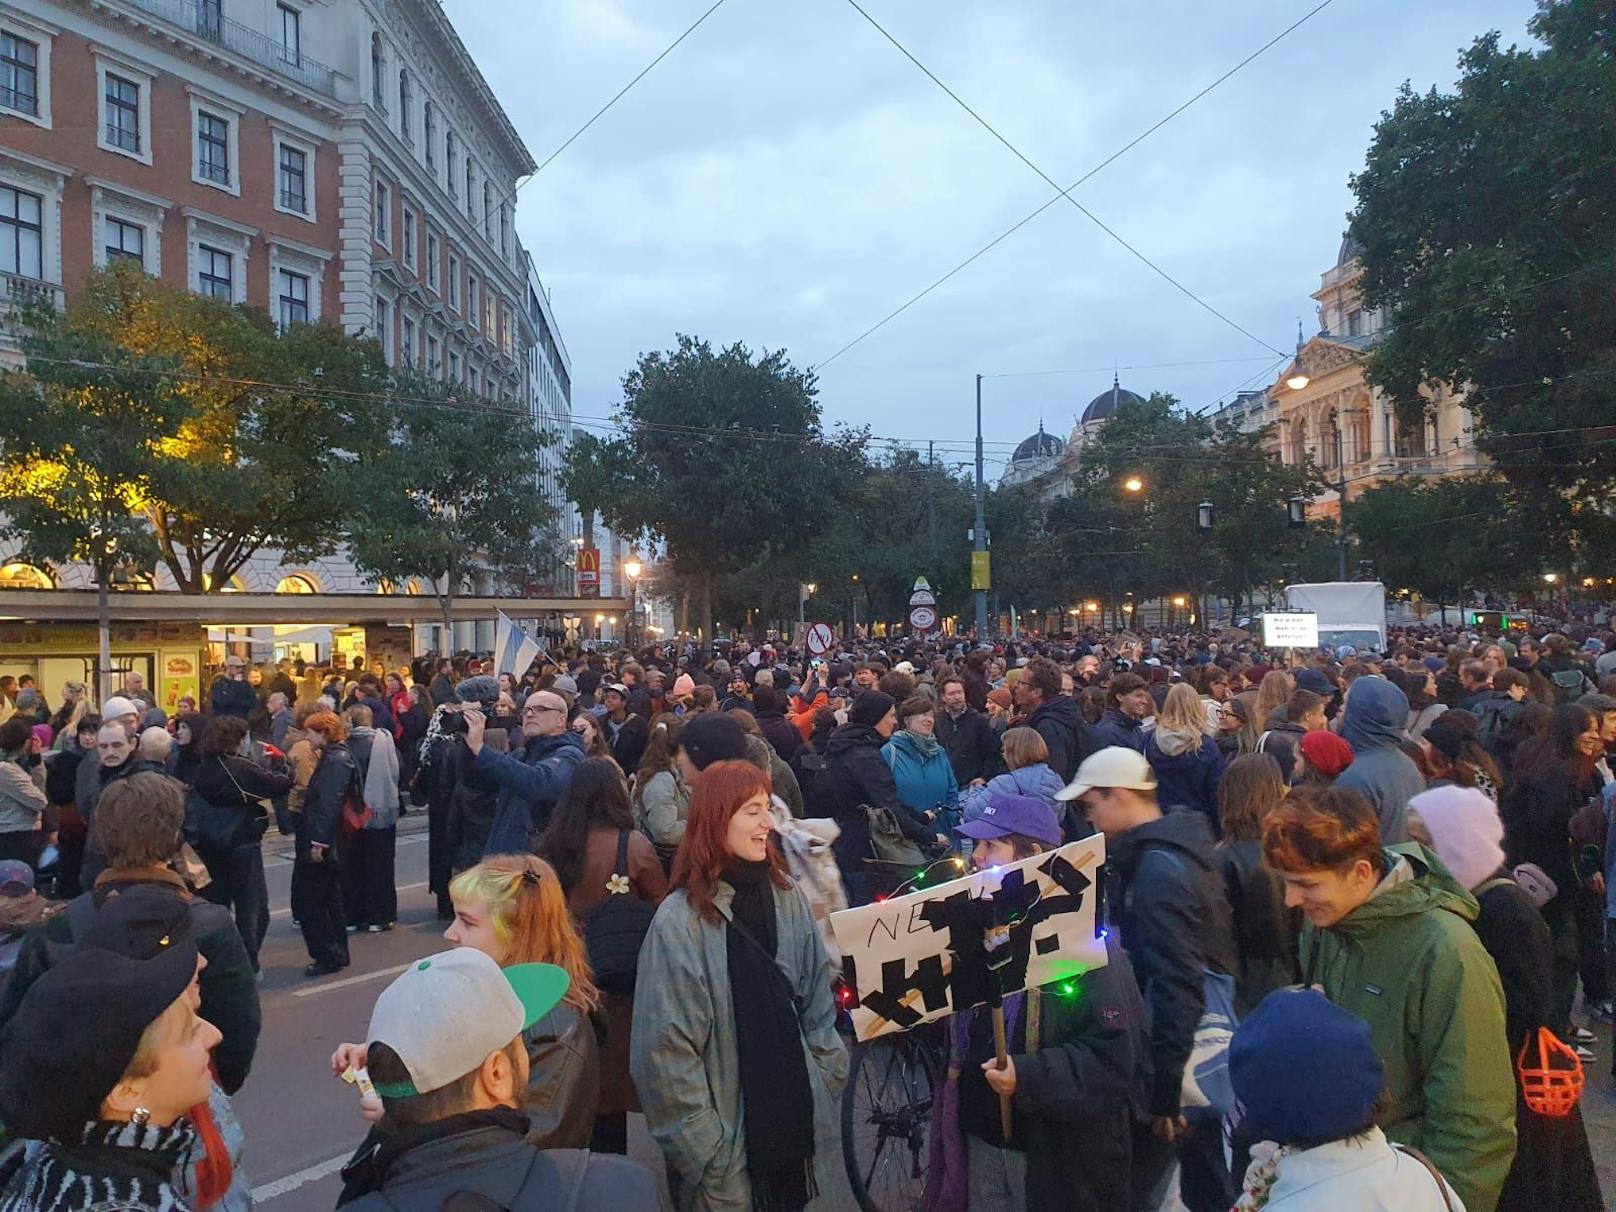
(529, 779)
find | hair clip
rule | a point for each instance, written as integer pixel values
(529, 876)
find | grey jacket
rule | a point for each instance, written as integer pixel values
(684, 1057)
(21, 799)
(660, 806)
(377, 756)
(1373, 724)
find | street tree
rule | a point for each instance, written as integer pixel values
(1487, 219)
(456, 495)
(721, 458)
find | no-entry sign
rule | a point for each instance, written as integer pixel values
(821, 639)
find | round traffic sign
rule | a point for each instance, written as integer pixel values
(922, 618)
(820, 639)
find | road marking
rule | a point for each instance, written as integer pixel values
(283, 858)
(287, 912)
(346, 981)
(292, 1182)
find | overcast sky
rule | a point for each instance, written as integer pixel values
(786, 178)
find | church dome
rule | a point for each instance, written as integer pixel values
(1039, 445)
(1107, 402)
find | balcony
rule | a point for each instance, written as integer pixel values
(17, 290)
(202, 19)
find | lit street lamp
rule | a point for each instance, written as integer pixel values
(1133, 484)
(632, 569)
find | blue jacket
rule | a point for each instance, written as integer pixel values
(1186, 777)
(1038, 782)
(529, 783)
(229, 697)
(925, 783)
(1116, 729)
(1373, 724)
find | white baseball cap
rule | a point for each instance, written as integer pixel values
(445, 1014)
(118, 706)
(1113, 766)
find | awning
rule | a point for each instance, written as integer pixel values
(264, 609)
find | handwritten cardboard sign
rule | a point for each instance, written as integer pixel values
(921, 956)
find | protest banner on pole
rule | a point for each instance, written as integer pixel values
(921, 956)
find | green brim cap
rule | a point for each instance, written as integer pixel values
(539, 987)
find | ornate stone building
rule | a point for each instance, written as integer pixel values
(1048, 464)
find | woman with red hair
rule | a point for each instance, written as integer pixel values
(734, 1051)
(316, 887)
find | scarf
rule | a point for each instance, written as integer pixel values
(777, 1102)
(123, 1165)
(926, 746)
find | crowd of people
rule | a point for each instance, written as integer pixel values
(1390, 869)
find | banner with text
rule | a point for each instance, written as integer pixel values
(921, 956)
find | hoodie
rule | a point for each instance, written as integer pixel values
(1374, 724)
(1408, 963)
(1037, 782)
(1060, 723)
(1189, 767)
(1164, 894)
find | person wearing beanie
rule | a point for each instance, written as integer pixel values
(1553, 1165)
(1321, 757)
(705, 739)
(684, 689)
(857, 778)
(1387, 935)
(1308, 1077)
(1000, 709)
(768, 707)
(1076, 1075)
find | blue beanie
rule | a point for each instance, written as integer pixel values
(1304, 1069)
(1314, 680)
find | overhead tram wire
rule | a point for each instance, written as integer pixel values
(1065, 193)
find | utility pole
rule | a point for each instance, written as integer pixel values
(979, 531)
(931, 504)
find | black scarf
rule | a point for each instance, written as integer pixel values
(777, 1101)
(107, 1164)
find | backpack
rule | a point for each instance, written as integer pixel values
(1567, 682)
(615, 929)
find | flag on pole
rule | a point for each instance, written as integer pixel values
(514, 649)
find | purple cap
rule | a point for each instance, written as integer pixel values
(16, 878)
(1018, 815)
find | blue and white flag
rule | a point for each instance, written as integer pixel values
(514, 649)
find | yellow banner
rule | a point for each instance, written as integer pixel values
(981, 570)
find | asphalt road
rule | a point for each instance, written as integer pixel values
(302, 1124)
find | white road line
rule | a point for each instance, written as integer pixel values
(292, 1182)
(287, 912)
(346, 981)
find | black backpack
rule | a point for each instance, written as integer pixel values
(615, 929)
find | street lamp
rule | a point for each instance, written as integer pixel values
(1133, 484)
(1203, 516)
(632, 569)
(1296, 511)
(1296, 378)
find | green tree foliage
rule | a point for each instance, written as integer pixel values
(455, 494)
(722, 458)
(244, 465)
(1487, 217)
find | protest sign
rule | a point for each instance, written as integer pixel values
(917, 957)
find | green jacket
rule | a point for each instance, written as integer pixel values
(1407, 962)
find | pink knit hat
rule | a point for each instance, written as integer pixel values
(683, 686)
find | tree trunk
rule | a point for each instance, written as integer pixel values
(705, 614)
(103, 626)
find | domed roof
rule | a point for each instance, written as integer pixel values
(1107, 402)
(1351, 250)
(1038, 446)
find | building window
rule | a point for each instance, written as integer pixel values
(471, 173)
(449, 162)
(504, 229)
(384, 328)
(429, 132)
(378, 73)
(434, 364)
(215, 273)
(473, 301)
(294, 298)
(294, 184)
(123, 113)
(19, 74)
(382, 210)
(405, 99)
(125, 241)
(210, 18)
(454, 281)
(454, 367)
(488, 210)
(432, 260)
(291, 33)
(212, 148)
(408, 238)
(407, 342)
(22, 243)
(476, 382)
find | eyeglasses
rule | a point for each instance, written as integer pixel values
(540, 710)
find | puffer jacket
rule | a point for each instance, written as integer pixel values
(1373, 724)
(857, 777)
(1408, 963)
(661, 804)
(924, 776)
(1366, 1173)
(1037, 782)
(1189, 768)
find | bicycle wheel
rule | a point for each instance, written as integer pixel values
(886, 1117)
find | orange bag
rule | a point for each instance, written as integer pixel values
(1554, 1086)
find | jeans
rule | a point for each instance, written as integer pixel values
(369, 896)
(238, 884)
(317, 905)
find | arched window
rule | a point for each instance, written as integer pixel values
(449, 161)
(297, 582)
(471, 176)
(429, 132)
(378, 72)
(405, 100)
(488, 209)
(24, 576)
